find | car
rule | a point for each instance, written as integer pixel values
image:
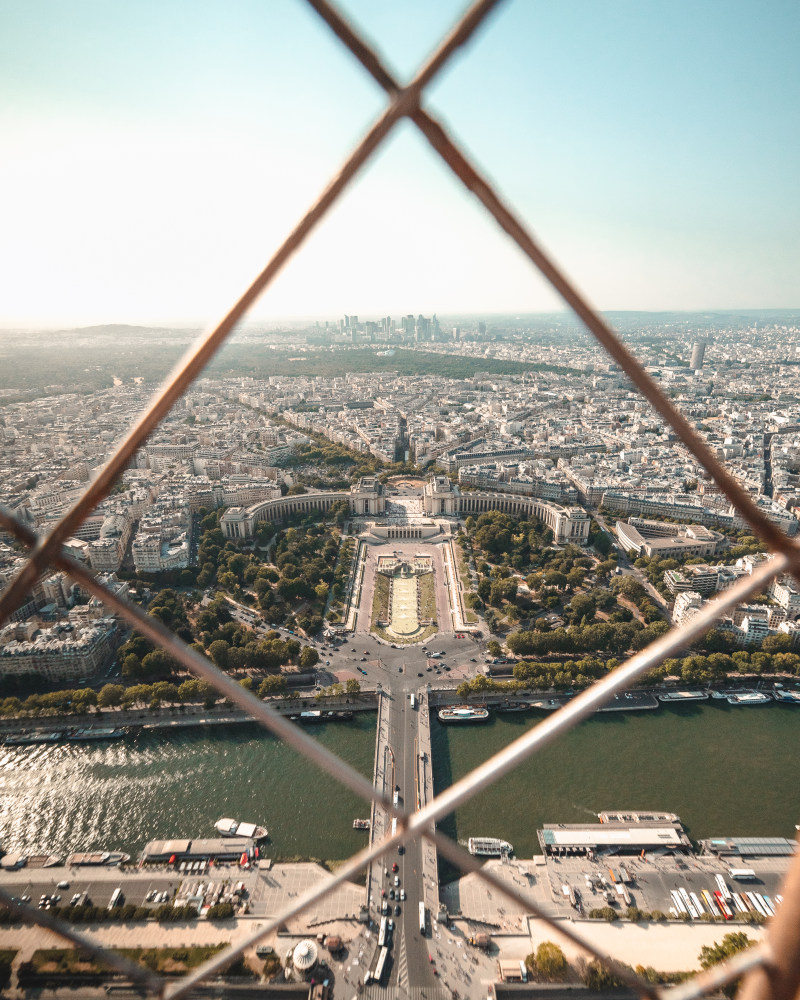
(397, 909)
(363, 659)
(402, 894)
(366, 652)
(396, 880)
(395, 867)
(428, 669)
(401, 849)
(361, 670)
(353, 649)
(390, 925)
(384, 907)
(391, 894)
(419, 674)
(327, 663)
(63, 885)
(472, 659)
(24, 899)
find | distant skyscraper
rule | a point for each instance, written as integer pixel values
(698, 354)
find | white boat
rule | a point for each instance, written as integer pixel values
(464, 713)
(748, 698)
(226, 827)
(489, 847)
(787, 697)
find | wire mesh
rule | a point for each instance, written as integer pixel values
(774, 966)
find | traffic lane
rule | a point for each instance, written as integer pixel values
(419, 969)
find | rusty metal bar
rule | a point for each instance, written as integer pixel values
(204, 349)
(779, 978)
(467, 173)
(258, 710)
(41, 918)
(775, 977)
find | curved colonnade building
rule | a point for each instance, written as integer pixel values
(441, 498)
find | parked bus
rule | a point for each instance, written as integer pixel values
(741, 873)
(382, 932)
(116, 898)
(413, 700)
(423, 920)
(377, 975)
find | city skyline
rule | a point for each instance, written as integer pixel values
(157, 161)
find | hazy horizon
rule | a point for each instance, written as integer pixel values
(158, 154)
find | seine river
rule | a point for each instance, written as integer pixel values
(724, 770)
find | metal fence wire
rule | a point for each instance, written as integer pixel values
(771, 969)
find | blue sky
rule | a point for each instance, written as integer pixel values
(152, 156)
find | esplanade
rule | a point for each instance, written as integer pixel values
(440, 498)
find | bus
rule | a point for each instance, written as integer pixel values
(382, 932)
(377, 975)
(423, 920)
(116, 898)
(741, 873)
(413, 700)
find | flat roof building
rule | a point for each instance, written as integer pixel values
(612, 838)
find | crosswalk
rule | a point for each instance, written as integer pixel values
(406, 993)
(402, 966)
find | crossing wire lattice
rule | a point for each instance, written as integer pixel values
(772, 968)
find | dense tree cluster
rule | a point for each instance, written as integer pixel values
(601, 637)
(547, 963)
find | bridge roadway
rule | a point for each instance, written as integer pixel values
(403, 764)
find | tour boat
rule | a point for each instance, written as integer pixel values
(489, 847)
(464, 713)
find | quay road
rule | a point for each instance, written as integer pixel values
(403, 738)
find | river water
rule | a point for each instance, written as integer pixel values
(724, 770)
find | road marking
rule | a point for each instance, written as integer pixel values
(402, 966)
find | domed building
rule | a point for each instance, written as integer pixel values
(304, 958)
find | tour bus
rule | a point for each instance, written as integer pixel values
(382, 933)
(377, 975)
(741, 873)
(413, 700)
(116, 898)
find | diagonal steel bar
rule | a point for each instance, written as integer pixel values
(780, 977)
(464, 861)
(711, 980)
(204, 349)
(466, 172)
(260, 711)
(587, 702)
(163, 636)
(42, 918)
(353, 866)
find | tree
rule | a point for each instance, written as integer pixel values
(275, 684)
(131, 667)
(494, 648)
(550, 962)
(309, 657)
(110, 695)
(218, 651)
(730, 945)
(353, 687)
